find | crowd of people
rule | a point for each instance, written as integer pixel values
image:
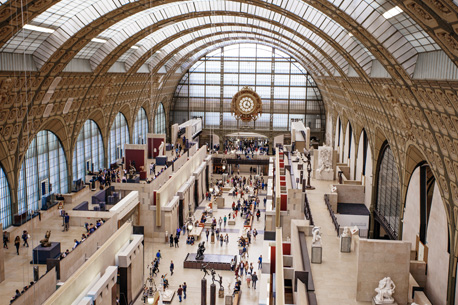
(90, 229)
(19, 293)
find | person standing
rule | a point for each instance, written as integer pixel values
(184, 290)
(5, 240)
(254, 279)
(176, 241)
(260, 262)
(251, 268)
(248, 279)
(17, 243)
(220, 221)
(226, 239)
(66, 221)
(207, 233)
(180, 292)
(225, 220)
(171, 240)
(172, 266)
(221, 239)
(158, 256)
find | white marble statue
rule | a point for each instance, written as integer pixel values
(316, 236)
(385, 291)
(161, 149)
(346, 232)
(324, 159)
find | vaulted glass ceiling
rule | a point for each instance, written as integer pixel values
(153, 22)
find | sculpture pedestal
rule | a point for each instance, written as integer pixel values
(212, 239)
(317, 253)
(378, 303)
(228, 300)
(221, 293)
(345, 244)
(203, 292)
(41, 254)
(324, 175)
(212, 294)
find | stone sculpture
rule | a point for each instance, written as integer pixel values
(385, 291)
(346, 232)
(161, 149)
(200, 251)
(316, 234)
(324, 170)
(45, 241)
(221, 282)
(204, 269)
(213, 272)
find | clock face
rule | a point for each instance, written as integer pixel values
(246, 105)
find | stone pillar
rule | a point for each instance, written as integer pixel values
(212, 294)
(203, 292)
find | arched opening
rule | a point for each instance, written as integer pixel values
(364, 167)
(387, 213)
(140, 127)
(5, 200)
(43, 172)
(339, 139)
(119, 135)
(159, 120)
(425, 227)
(88, 154)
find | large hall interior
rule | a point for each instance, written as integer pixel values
(225, 152)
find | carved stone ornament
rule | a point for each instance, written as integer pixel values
(246, 105)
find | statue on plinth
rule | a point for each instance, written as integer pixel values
(385, 291)
(213, 272)
(324, 170)
(132, 170)
(346, 232)
(220, 282)
(45, 241)
(316, 234)
(200, 251)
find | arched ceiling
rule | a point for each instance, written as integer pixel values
(352, 32)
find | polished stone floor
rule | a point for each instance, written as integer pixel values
(193, 276)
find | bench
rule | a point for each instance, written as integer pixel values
(231, 222)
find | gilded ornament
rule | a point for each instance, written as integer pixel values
(246, 105)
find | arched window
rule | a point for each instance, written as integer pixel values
(388, 207)
(159, 120)
(119, 135)
(140, 127)
(5, 200)
(88, 153)
(43, 171)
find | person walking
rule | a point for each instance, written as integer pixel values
(221, 239)
(171, 240)
(184, 290)
(158, 256)
(176, 239)
(225, 220)
(220, 222)
(207, 233)
(25, 237)
(226, 239)
(17, 243)
(180, 292)
(260, 262)
(251, 268)
(248, 279)
(172, 266)
(254, 279)
(255, 233)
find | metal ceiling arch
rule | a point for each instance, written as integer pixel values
(282, 7)
(136, 60)
(197, 53)
(125, 48)
(90, 33)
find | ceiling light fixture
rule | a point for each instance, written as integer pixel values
(350, 34)
(38, 28)
(392, 12)
(98, 40)
(134, 47)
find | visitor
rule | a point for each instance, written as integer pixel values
(207, 233)
(184, 289)
(25, 237)
(67, 222)
(225, 220)
(251, 268)
(180, 292)
(221, 239)
(176, 240)
(255, 233)
(220, 222)
(248, 279)
(171, 240)
(5, 240)
(258, 214)
(158, 256)
(76, 243)
(254, 279)
(172, 266)
(260, 262)
(17, 243)
(226, 239)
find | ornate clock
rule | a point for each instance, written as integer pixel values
(246, 105)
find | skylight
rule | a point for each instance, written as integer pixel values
(392, 12)
(98, 40)
(38, 28)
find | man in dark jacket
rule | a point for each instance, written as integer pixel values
(254, 279)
